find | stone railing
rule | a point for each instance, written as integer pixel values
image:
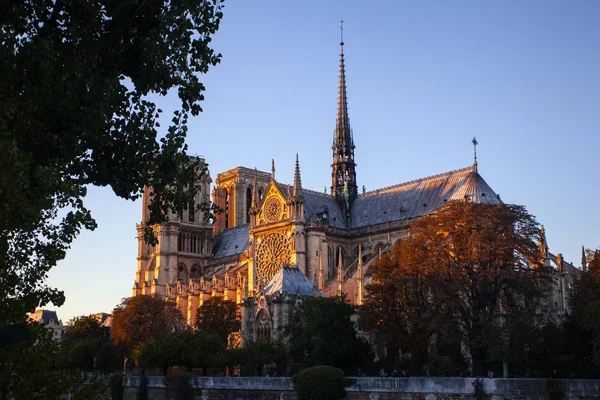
(496, 388)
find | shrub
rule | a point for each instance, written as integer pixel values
(321, 382)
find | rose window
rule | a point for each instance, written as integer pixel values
(273, 209)
(273, 253)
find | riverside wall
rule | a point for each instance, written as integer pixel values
(414, 388)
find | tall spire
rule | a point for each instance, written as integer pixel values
(343, 167)
(583, 260)
(297, 179)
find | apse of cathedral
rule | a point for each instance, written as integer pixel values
(276, 242)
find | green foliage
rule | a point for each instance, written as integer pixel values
(218, 317)
(255, 355)
(321, 382)
(76, 109)
(321, 331)
(184, 349)
(141, 319)
(179, 387)
(27, 371)
(84, 347)
(585, 303)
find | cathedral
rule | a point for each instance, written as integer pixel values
(276, 242)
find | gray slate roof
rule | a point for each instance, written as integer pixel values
(420, 197)
(231, 241)
(316, 203)
(290, 280)
(394, 203)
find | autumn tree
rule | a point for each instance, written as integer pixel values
(142, 319)
(322, 332)
(77, 108)
(459, 278)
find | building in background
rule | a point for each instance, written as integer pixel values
(50, 320)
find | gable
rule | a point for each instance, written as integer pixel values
(273, 207)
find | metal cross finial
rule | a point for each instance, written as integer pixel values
(475, 143)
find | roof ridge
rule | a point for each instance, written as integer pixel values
(376, 191)
(317, 192)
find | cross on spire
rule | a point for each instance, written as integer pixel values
(342, 32)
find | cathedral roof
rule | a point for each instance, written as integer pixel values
(420, 197)
(231, 241)
(316, 203)
(290, 280)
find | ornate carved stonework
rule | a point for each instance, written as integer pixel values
(273, 209)
(273, 252)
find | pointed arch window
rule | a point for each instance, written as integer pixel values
(263, 327)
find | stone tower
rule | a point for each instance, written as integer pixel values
(183, 250)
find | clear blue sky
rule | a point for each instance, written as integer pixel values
(423, 78)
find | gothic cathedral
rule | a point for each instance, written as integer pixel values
(276, 242)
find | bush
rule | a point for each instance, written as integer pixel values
(321, 382)
(179, 387)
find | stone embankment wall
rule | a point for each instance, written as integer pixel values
(418, 388)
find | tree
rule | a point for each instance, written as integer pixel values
(218, 317)
(185, 349)
(254, 355)
(76, 109)
(460, 277)
(142, 319)
(28, 372)
(321, 331)
(585, 303)
(84, 346)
